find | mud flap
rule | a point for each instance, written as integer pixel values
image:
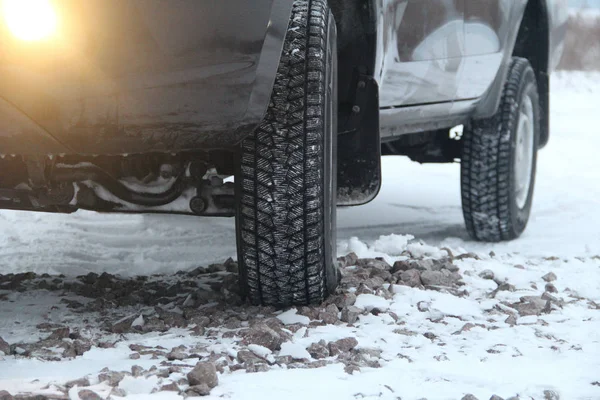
(359, 148)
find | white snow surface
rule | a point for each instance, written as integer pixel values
(418, 210)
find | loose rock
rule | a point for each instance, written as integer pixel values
(265, 336)
(551, 395)
(411, 278)
(487, 274)
(342, 345)
(4, 395)
(469, 397)
(549, 277)
(203, 373)
(440, 278)
(350, 314)
(318, 350)
(4, 346)
(87, 394)
(198, 390)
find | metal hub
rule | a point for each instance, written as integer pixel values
(524, 152)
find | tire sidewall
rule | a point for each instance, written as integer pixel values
(520, 216)
(330, 160)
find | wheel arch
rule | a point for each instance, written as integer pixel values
(532, 42)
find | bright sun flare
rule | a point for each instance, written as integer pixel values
(30, 19)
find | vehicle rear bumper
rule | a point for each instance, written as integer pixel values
(133, 76)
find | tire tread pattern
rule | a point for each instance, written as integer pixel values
(280, 222)
(486, 170)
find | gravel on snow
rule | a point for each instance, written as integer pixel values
(451, 320)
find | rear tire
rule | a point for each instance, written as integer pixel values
(285, 182)
(499, 158)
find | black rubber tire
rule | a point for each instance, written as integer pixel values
(489, 202)
(285, 183)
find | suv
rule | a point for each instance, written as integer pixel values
(146, 106)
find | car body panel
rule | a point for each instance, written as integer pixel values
(422, 44)
(137, 76)
(132, 76)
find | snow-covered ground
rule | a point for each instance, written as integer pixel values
(480, 334)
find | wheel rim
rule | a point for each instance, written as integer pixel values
(524, 152)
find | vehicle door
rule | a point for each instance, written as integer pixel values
(423, 49)
(487, 27)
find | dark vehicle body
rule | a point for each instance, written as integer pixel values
(135, 76)
(148, 105)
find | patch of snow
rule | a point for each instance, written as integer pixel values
(291, 316)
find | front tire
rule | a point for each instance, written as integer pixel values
(285, 183)
(499, 158)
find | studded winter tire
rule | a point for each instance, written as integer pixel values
(499, 158)
(285, 182)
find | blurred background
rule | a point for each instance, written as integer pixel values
(582, 45)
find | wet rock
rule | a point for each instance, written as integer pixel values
(487, 274)
(342, 345)
(4, 395)
(318, 350)
(411, 278)
(87, 394)
(550, 277)
(469, 397)
(440, 278)
(203, 373)
(263, 335)
(551, 395)
(4, 346)
(198, 390)
(350, 314)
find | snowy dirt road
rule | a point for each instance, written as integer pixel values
(511, 319)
